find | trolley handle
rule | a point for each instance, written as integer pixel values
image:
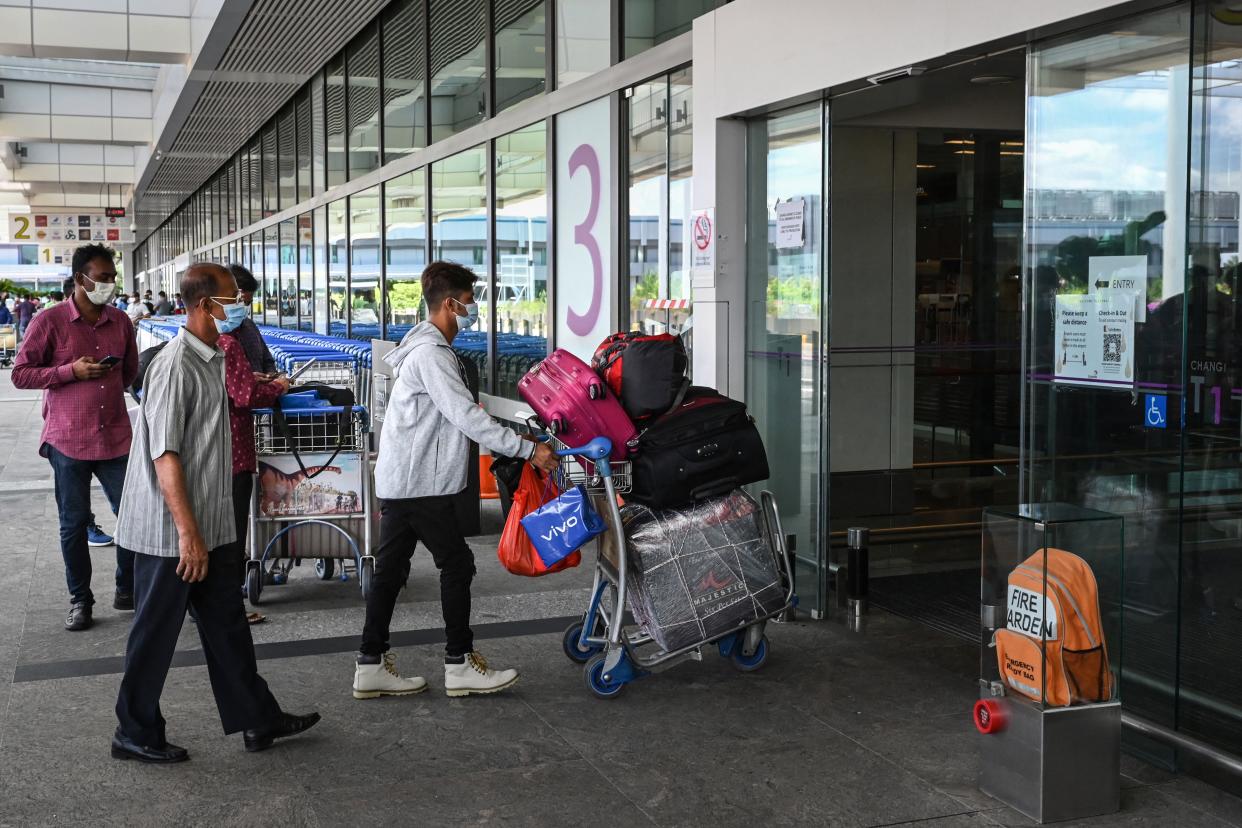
(312, 411)
(597, 449)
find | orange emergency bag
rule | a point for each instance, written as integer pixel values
(1073, 665)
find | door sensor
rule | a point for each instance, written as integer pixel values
(896, 74)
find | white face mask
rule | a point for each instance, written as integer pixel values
(102, 293)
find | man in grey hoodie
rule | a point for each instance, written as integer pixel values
(422, 464)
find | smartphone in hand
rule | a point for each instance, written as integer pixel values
(109, 361)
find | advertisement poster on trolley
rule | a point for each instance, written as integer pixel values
(322, 485)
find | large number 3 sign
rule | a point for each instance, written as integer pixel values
(585, 158)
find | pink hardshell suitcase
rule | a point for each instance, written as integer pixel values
(574, 402)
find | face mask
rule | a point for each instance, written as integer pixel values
(465, 323)
(234, 315)
(102, 293)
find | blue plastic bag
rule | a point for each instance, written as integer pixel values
(559, 527)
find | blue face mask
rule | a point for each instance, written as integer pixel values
(234, 316)
(465, 323)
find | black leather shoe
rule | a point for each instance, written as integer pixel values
(79, 618)
(123, 601)
(286, 725)
(125, 748)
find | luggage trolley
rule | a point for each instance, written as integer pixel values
(615, 654)
(336, 522)
(8, 344)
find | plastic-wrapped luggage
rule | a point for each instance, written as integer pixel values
(702, 571)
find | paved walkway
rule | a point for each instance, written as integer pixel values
(839, 729)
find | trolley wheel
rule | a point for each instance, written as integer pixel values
(366, 572)
(749, 664)
(325, 568)
(254, 584)
(595, 681)
(572, 643)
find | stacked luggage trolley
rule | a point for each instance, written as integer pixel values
(676, 619)
(312, 496)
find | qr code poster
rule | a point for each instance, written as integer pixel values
(1094, 340)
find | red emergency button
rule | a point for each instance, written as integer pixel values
(989, 716)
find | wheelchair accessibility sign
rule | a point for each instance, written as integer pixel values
(1156, 411)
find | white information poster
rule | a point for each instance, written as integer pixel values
(585, 277)
(1118, 275)
(790, 221)
(1094, 340)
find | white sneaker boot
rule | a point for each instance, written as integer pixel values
(474, 676)
(374, 680)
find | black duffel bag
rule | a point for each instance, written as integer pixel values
(327, 431)
(705, 447)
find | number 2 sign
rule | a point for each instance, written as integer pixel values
(585, 287)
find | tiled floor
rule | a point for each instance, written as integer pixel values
(840, 728)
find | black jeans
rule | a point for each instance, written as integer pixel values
(161, 599)
(403, 523)
(73, 502)
(243, 484)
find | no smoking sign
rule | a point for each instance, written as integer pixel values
(704, 235)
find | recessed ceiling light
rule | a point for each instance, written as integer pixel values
(992, 80)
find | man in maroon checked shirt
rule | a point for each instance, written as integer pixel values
(83, 354)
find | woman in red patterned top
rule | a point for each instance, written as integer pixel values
(246, 390)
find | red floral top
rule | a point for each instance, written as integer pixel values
(245, 392)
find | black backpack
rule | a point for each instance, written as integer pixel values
(336, 428)
(144, 361)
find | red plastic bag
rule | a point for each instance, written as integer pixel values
(515, 551)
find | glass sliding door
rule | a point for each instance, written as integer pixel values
(785, 327)
(1106, 236)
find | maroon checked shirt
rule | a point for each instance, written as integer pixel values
(82, 419)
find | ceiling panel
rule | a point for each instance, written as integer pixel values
(280, 44)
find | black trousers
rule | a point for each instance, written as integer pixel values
(243, 484)
(403, 523)
(161, 599)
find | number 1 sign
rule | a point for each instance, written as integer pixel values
(585, 283)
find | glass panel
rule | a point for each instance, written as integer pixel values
(271, 275)
(405, 251)
(320, 296)
(521, 267)
(1210, 687)
(364, 102)
(405, 79)
(583, 41)
(255, 263)
(1106, 183)
(784, 330)
(458, 66)
(233, 194)
(305, 132)
(521, 50)
(337, 240)
(335, 98)
(319, 137)
(459, 234)
(649, 22)
(253, 197)
(364, 264)
(271, 201)
(306, 269)
(287, 286)
(287, 162)
(648, 198)
(673, 319)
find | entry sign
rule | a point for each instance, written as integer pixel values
(703, 234)
(1156, 411)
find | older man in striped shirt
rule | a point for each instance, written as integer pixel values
(177, 517)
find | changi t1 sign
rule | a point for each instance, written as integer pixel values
(585, 283)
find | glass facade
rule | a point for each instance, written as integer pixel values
(459, 233)
(405, 79)
(458, 66)
(363, 106)
(520, 57)
(365, 245)
(334, 96)
(651, 22)
(405, 251)
(582, 39)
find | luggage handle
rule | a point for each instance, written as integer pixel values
(723, 484)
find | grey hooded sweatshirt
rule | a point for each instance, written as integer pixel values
(431, 417)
